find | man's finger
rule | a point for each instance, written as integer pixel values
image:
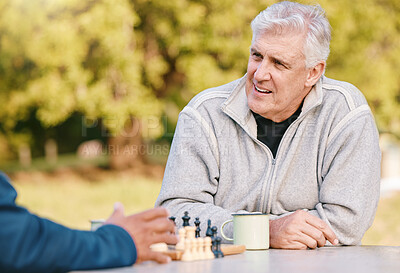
(297, 245)
(165, 237)
(119, 207)
(316, 234)
(118, 211)
(308, 241)
(322, 226)
(161, 225)
(151, 214)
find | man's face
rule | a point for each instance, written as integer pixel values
(277, 79)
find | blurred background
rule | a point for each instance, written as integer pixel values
(91, 92)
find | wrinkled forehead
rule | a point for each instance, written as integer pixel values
(288, 43)
(279, 30)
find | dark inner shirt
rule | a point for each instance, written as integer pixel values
(270, 133)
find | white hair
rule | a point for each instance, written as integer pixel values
(307, 19)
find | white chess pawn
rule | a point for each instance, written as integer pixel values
(200, 249)
(181, 244)
(187, 253)
(190, 232)
(195, 253)
(207, 248)
(159, 247)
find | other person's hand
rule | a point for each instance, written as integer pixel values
(300, 230)
(146, 228)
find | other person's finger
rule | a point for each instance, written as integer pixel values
(151, 214)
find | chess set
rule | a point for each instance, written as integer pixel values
(192, 247)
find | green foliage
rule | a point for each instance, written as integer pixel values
(113, 59)
(62, 57)
(197, 45)
(365, 51)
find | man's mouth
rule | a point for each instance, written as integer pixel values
(262, 90)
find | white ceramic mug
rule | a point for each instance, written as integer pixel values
(95, 224)
(249, 229)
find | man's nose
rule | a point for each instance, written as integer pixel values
(263, 72)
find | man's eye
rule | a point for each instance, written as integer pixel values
(280, 64)
(256, 54)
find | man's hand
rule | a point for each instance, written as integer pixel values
(146, 228)
(300, 230)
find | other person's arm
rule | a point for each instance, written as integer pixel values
(29, 243)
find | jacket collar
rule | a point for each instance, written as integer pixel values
(314, 98)
(236, 107)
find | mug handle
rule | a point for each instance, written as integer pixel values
(222, 231)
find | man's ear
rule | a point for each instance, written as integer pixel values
(314, 74)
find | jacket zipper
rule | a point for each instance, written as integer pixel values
(267, 205)
(267, 200)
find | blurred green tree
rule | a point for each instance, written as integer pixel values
(66, 56)
(365, 51)
(126, 63)
(191, 45)
(200, 44)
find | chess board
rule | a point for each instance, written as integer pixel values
(227, 249)
(192, 247)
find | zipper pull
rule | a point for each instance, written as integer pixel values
(273, 161)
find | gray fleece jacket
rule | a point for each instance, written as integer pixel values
(328, 161)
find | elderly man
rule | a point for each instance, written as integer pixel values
(283, 140)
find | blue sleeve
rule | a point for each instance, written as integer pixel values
(29, 243)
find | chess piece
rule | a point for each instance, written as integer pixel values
(190, 232)
(209, 255)
(213, 237)
(194, 249)
(208, 231)
(214, 231)
(181, 244)
(197, 224)
(217, 252)
(186, 219)
(172, 218)
(187, 253)
(159, 247)
(200, 249)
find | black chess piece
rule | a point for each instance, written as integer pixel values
(197, 224)
(217, 249)
(214, 231)
(186, 219)
(172, 218)
(209, 232)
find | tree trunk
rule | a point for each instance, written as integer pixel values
(126, 149)
(51, 151)
(24, 153)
